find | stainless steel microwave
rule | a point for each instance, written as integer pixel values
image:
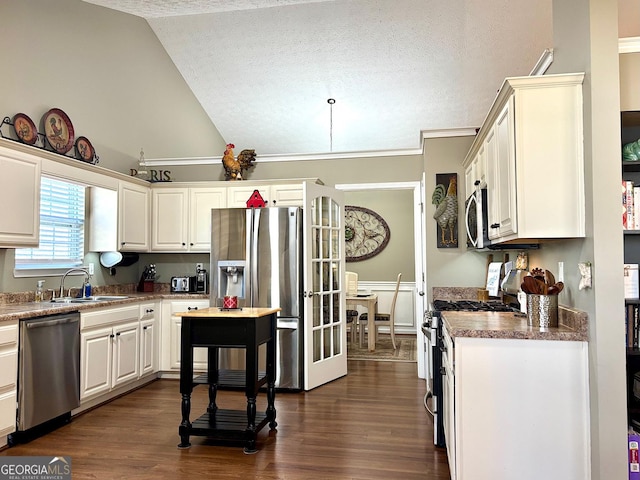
(476, 219)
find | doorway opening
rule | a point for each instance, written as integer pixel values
(415, 202)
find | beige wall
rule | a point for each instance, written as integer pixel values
(403, 168)
(629, 75)
(109, 73)
(396, 207)
(449, 267)
(586, 39)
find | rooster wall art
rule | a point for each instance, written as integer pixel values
(233, 167)
(446, 201)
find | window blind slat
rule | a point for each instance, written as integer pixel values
(61, 228)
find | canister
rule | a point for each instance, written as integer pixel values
(542, 310)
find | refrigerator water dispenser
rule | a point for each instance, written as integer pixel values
(231, 279)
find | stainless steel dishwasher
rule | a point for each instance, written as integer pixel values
(48, 369)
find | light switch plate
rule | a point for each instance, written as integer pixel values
(561, 271)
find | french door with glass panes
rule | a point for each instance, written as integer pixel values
(324, 325)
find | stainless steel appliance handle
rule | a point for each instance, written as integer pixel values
(50, 323)
(472, 200)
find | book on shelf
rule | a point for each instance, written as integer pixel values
(630, 281)
(632, 324)
(634, 458)
(628, 221)
(630, 205)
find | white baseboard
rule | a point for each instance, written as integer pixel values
(405, 305)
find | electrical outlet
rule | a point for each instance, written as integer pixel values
(199, 266)
(91, 267)
(561, 271)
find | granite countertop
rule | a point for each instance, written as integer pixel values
(215, 312)
(572, 326)
(24, 310)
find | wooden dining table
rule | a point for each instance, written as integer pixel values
(370, 302)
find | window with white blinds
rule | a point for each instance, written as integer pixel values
(61, 228)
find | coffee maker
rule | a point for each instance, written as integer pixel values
(201, 279)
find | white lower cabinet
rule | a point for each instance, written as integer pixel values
(109, 349)
(149, 338)
(8, 378)
(448, 419)
(517, 409)
(171, 326)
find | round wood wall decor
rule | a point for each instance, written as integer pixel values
(366, 233)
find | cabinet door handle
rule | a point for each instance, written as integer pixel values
(443, 371)
(144, 328)
(118, 334)
(149, 310)
(112, 335)
(495, 225)
(192, 308)
(476, 183)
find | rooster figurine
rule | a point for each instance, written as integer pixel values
(446, 213)
(234, 167)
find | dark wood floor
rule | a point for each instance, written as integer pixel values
(369, 425)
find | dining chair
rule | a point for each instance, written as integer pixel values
(381, 319)
(352, 321)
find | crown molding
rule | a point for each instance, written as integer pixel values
(629, 45)
(448, 133)
(544, 62)
(295, 157)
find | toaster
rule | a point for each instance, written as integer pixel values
(183, 284)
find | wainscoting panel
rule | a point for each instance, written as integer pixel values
(405, 321)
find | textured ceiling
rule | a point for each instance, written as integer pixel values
(263, 70)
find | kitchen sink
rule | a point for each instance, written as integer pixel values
(92, 299)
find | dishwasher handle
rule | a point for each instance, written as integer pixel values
(50, 323)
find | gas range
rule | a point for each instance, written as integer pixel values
(433, 347)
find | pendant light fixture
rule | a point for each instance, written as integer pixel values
(331, 101)
(142, 172)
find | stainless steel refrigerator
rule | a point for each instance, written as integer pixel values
(256, 255)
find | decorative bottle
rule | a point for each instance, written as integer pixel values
(39, 291)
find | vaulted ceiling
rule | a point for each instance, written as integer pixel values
(263, 70)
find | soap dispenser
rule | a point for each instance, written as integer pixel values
(40, 291)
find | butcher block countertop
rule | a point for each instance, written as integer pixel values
(572, 326)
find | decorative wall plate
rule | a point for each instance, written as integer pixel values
(84, 150)
(366, 233)
(25, 128)
(59, 130)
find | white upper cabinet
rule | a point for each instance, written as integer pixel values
(276, 194)
(181, 218)
(169, 226)
(475, 172)
(240, 192)
(201, 201)
(533, 141)
(20, 195)
(133, 217)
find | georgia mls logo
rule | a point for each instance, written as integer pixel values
(35, 468)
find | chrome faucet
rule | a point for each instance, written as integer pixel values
(71, 270)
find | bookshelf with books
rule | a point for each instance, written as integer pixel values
(630, 132)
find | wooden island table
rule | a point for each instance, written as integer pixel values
(216, 328)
